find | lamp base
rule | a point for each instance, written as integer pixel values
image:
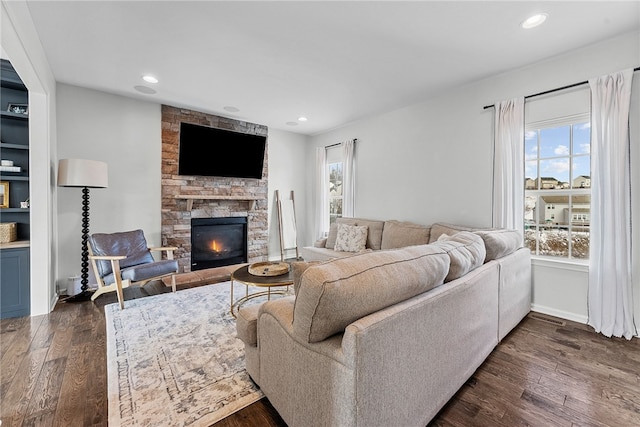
(81, 297)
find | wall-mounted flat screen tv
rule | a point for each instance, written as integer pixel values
(207, 151)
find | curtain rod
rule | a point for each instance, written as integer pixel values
(339, 143)
(553, 90)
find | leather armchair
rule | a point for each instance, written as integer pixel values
(122, 259)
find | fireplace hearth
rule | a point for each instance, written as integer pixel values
(216, 242)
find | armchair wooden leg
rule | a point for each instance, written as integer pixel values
(115, 267)
(101, 290)
(120, 295)
(173, 283)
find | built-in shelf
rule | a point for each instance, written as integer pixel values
(15, 257)
(4, 177)
(11, 115)
(15, 244)
(5, 145)
(14, 210)
(191, 197)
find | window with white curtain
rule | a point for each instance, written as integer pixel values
(558, 187)
(335, 185)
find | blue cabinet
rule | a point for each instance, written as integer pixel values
(14, 282)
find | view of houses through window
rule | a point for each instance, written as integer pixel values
(558, 189)
(335, 191)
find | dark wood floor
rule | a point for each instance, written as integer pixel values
(53, 373)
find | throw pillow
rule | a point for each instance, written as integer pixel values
(351, 238)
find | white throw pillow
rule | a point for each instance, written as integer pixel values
(351, 238)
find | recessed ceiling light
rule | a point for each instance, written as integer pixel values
(145, 90)
(292, 123)
(149, 78)
(231, 109)
(302, 119)
(534, 20)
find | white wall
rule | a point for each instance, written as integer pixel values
(433, 161)
(287, 172)
(126, 134)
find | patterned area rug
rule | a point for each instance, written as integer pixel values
(174, 359)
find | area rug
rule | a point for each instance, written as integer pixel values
(174, 359)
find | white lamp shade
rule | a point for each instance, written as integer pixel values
(82, 173)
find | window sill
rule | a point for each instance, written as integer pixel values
(564, 264)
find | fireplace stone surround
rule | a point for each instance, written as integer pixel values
(221, 197)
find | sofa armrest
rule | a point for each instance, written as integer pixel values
(280, 311)
(247, 325)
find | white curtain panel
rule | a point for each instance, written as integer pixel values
(348, 179)
(508, 169)
(610, 283)
(321, 190)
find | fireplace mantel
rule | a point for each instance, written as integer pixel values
(191, 197)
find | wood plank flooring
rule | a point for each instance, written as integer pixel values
(53, 373)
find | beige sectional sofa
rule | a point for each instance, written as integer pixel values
(387, 336)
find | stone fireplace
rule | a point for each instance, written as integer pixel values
(185, 198)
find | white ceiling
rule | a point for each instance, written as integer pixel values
(332, 61)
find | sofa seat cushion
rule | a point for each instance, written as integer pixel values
(309, 253)
(500, 243)
(466, 252)
(145, 271)
(334, 294)
(400, 234)
(374, 236)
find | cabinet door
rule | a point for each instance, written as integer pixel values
(14, 283)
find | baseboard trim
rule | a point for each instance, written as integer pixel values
(559, 313)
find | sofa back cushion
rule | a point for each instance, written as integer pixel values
(500, 243)
(336, 293)
(374, 236)
(440, 228)
(466, 252)
(297, 268)
(400, 234)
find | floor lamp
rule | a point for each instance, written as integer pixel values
(85, 174)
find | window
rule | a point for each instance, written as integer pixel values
(558, 188)
(335, 191)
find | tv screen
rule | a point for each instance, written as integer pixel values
(208, 151)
